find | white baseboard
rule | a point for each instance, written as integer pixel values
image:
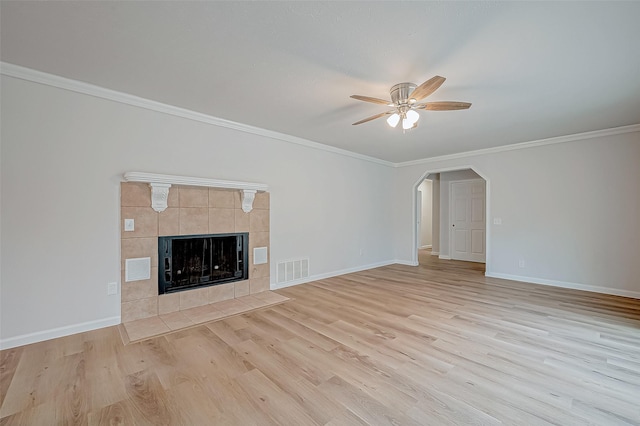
(53, 333)
(565, 284)
(406, 262)
(425, 247)
(435, 253)
(276, 286)
(444, 257)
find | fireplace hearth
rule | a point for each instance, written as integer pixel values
(192, 261)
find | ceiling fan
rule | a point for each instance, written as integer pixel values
(404, 101)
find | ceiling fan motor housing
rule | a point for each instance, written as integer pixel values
(400, 93)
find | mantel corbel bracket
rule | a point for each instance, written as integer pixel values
(160, 185)
(248, 195)
(159, 196)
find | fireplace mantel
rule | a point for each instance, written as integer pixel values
(160, 185)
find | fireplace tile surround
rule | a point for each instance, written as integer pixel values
(190, 210)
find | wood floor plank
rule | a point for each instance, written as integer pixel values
(149, 400)
(8, 364)
(270, 399)
(120, 413)
(438, 344)
(367, 408)
(303, 390)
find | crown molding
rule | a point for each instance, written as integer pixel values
(524, 145)
(52, 80)
(29, 74)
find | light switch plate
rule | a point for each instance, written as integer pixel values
(128, 225)
(112, 288)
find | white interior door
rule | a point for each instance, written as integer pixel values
(467, 209)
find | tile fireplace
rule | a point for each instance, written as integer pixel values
(191, 211)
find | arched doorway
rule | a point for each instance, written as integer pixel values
(445, 235)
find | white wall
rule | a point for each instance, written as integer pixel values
(426, 219)
(572, 227)
(63, 156)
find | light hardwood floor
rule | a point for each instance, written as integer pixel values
(435, 344)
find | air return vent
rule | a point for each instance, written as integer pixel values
(137, 269)
(292, 270)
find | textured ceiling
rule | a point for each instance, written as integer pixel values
(532, 70)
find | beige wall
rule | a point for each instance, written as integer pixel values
(190, 211)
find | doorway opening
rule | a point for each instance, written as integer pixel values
(458, 216)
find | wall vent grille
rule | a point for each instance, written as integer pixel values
(137, 269)
(292, 270)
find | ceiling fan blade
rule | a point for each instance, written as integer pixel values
(443, 106)
(427, 88)
(373, 117)
(370, 99)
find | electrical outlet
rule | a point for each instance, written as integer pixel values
(521, 263)
(497, 221)
(112, 288)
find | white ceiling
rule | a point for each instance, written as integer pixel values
(532, 70)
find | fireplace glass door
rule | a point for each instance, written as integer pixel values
(191, 261)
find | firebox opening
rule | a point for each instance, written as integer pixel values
(192, 261)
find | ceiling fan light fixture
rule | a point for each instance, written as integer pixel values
(410, 120)
(393, 119)
(413, 116)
